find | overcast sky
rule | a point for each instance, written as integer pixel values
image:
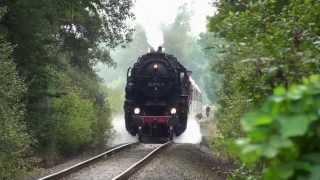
(151, 14)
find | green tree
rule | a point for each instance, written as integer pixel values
(73, 117)
(57, 44)
(268, 43)
(179, 41)
(212, 48)
(124, 57)
(265, 44)
(14, 141)
(284, 131)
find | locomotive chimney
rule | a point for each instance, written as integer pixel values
(160, 49)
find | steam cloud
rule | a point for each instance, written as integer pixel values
(152, 14)
(154, 37)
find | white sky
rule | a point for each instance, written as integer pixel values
(151, 14)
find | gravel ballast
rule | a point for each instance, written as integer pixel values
(112, 165)
(184, 161)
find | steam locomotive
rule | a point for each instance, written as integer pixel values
(158, 95)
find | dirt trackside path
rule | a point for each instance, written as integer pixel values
(184, 161)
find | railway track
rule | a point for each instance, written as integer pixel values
(91, 167)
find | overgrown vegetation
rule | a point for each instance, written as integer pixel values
(74, 118)
(116, 76)
(14, 141)
(179, 41)
(264, 44)
(50, 92)
(52, 102)
(284, 131)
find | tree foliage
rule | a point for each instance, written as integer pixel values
(283, 132)
(124, 56)
(268, 43)
(265, 44)
(57, 43)
(14, 141)
(74, 118)
(179, 41)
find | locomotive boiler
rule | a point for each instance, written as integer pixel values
(158, 95)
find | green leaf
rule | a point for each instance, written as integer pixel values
(263, 120)
(302, 165)
(251, 153)
(294, 125)
(252, 120)
(279, 142)
(277, 99)
(280, 91)
(312, 157)
(279, 172)
(269, 151)
(315, 173)
(249, 121)
(296, 92)
(258, 135)
(242, 141)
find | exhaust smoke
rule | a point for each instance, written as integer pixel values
(192, 134)
(120, 134)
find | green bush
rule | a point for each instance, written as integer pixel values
(102, 126)
(116, 98)
(262, 45)
(74, 118)
(54, 60)
(285, 132)
(14, 141)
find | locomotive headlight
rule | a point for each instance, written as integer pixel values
(155, 66)
(173, 111)
(136, 110)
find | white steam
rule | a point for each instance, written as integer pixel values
(120, 134)
(154, 37)
(153, 14)
(192, 134)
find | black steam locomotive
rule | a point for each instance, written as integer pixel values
(158, 95)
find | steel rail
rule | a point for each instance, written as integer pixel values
(136, 166)
(82, 164)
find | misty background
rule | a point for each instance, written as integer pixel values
(179, 27)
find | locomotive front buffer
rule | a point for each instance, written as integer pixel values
(156, 126)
